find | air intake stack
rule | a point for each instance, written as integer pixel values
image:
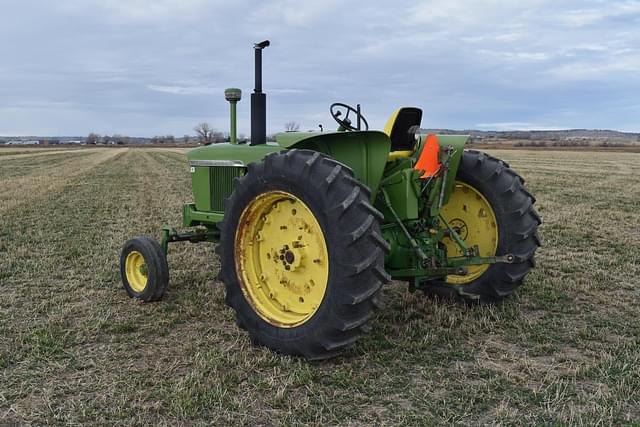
(259, 100)
(233, 95)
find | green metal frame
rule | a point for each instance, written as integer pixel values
(211, 234)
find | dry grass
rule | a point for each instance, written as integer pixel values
(31, 176)
(9, 154)
(15, 149)
(75, 350)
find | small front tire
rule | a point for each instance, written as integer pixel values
(143, 269)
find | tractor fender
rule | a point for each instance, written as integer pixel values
(456, 143)
(364, 152)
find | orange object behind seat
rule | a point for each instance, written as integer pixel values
(428, 161)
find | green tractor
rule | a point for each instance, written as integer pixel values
(309, 228)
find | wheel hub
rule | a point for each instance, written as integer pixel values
(460, 227)
(289, 257)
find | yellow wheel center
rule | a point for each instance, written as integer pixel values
(136, 271)
(281, 259)
(472, 217)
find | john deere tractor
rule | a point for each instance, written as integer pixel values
(310, 227)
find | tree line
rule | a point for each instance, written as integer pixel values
(205, 134)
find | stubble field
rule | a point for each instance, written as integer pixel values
(74, 349)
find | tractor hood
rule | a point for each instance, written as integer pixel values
(364, 152)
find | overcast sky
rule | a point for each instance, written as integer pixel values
(154, 67)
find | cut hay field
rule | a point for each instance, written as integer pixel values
(74, 349)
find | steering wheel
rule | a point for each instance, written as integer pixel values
(343, 119)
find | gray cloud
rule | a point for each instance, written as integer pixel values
(146, 67)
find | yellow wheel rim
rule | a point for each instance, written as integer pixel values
(472, 217)
(136, 270)
(281, 259)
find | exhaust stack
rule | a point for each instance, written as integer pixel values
(259, 100)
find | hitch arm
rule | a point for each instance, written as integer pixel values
(456, 237)
(479, 260)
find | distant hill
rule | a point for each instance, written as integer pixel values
(53, 140)
(554, 137)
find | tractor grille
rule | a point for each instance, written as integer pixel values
(221, 184)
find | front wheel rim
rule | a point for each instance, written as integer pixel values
(282, 260)
(136, 271)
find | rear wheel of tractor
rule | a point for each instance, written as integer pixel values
(491, 208)
(301, 254)
(143, 269)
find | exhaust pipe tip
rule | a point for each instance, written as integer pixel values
(259, 100)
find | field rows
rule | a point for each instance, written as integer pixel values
(74, 349)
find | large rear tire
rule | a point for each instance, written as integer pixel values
(302, 258)
(504, 201)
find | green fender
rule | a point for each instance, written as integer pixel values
(364, 152)
(457, 142)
